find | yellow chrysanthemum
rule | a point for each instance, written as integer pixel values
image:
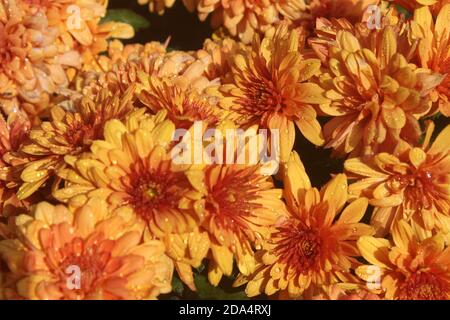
(88, 253)
(377, 96)
(68, 133)
(271, 88)
(414, 266)
(413, 183)
(244, 18)
(309, 247)
(157, 6)
(32, 63)
(434, 50)
(132, 168)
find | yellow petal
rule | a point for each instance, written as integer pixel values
(402, 234)
(441, 144)
(335, 191)
(394, 118)
(311, 130)
(296, 178)
(223, 257)
(417, 156)
(374, 250)
(354, 212)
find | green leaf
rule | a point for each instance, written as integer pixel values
(177, 286)
(137, 21)
(403, 11)
(208, 292)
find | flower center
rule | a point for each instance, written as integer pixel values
(89, 258)
(230, 202)
(297, 246)
(418, 186)
(80, 136)
(153, 189)
(423, 286)
(261, 97)
(151, 192)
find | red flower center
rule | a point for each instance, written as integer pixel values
(297, 246)
(424, 286)
(153, 189)
(261, 98)
(419, 187)
(230, 202)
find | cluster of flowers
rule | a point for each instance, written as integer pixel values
(87, 178)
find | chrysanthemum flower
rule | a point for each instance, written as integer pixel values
(68, 133)
(434, 50)
(132, 168)
(184, 107)
(244, 18)
(118, 52)
(157, 6)
(309, 247)
(414, 266)
(240, 205)
(137, 64)
(88, 253)
(411, 5)
(412, 183)
(377, 96)
(32, 63)
(270, 88)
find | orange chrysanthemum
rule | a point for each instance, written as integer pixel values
(271, 88)
(88, 253)
(377, 97)
(132, 168)
(309, 247)
(414, 266)
(413, 183)
(135, 64)
(79, 25)
(434, 50)
(184, 107)
(32, 63)
(244, 18)
(68, 133)
(240, 204)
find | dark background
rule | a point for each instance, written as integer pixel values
(187, 32)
